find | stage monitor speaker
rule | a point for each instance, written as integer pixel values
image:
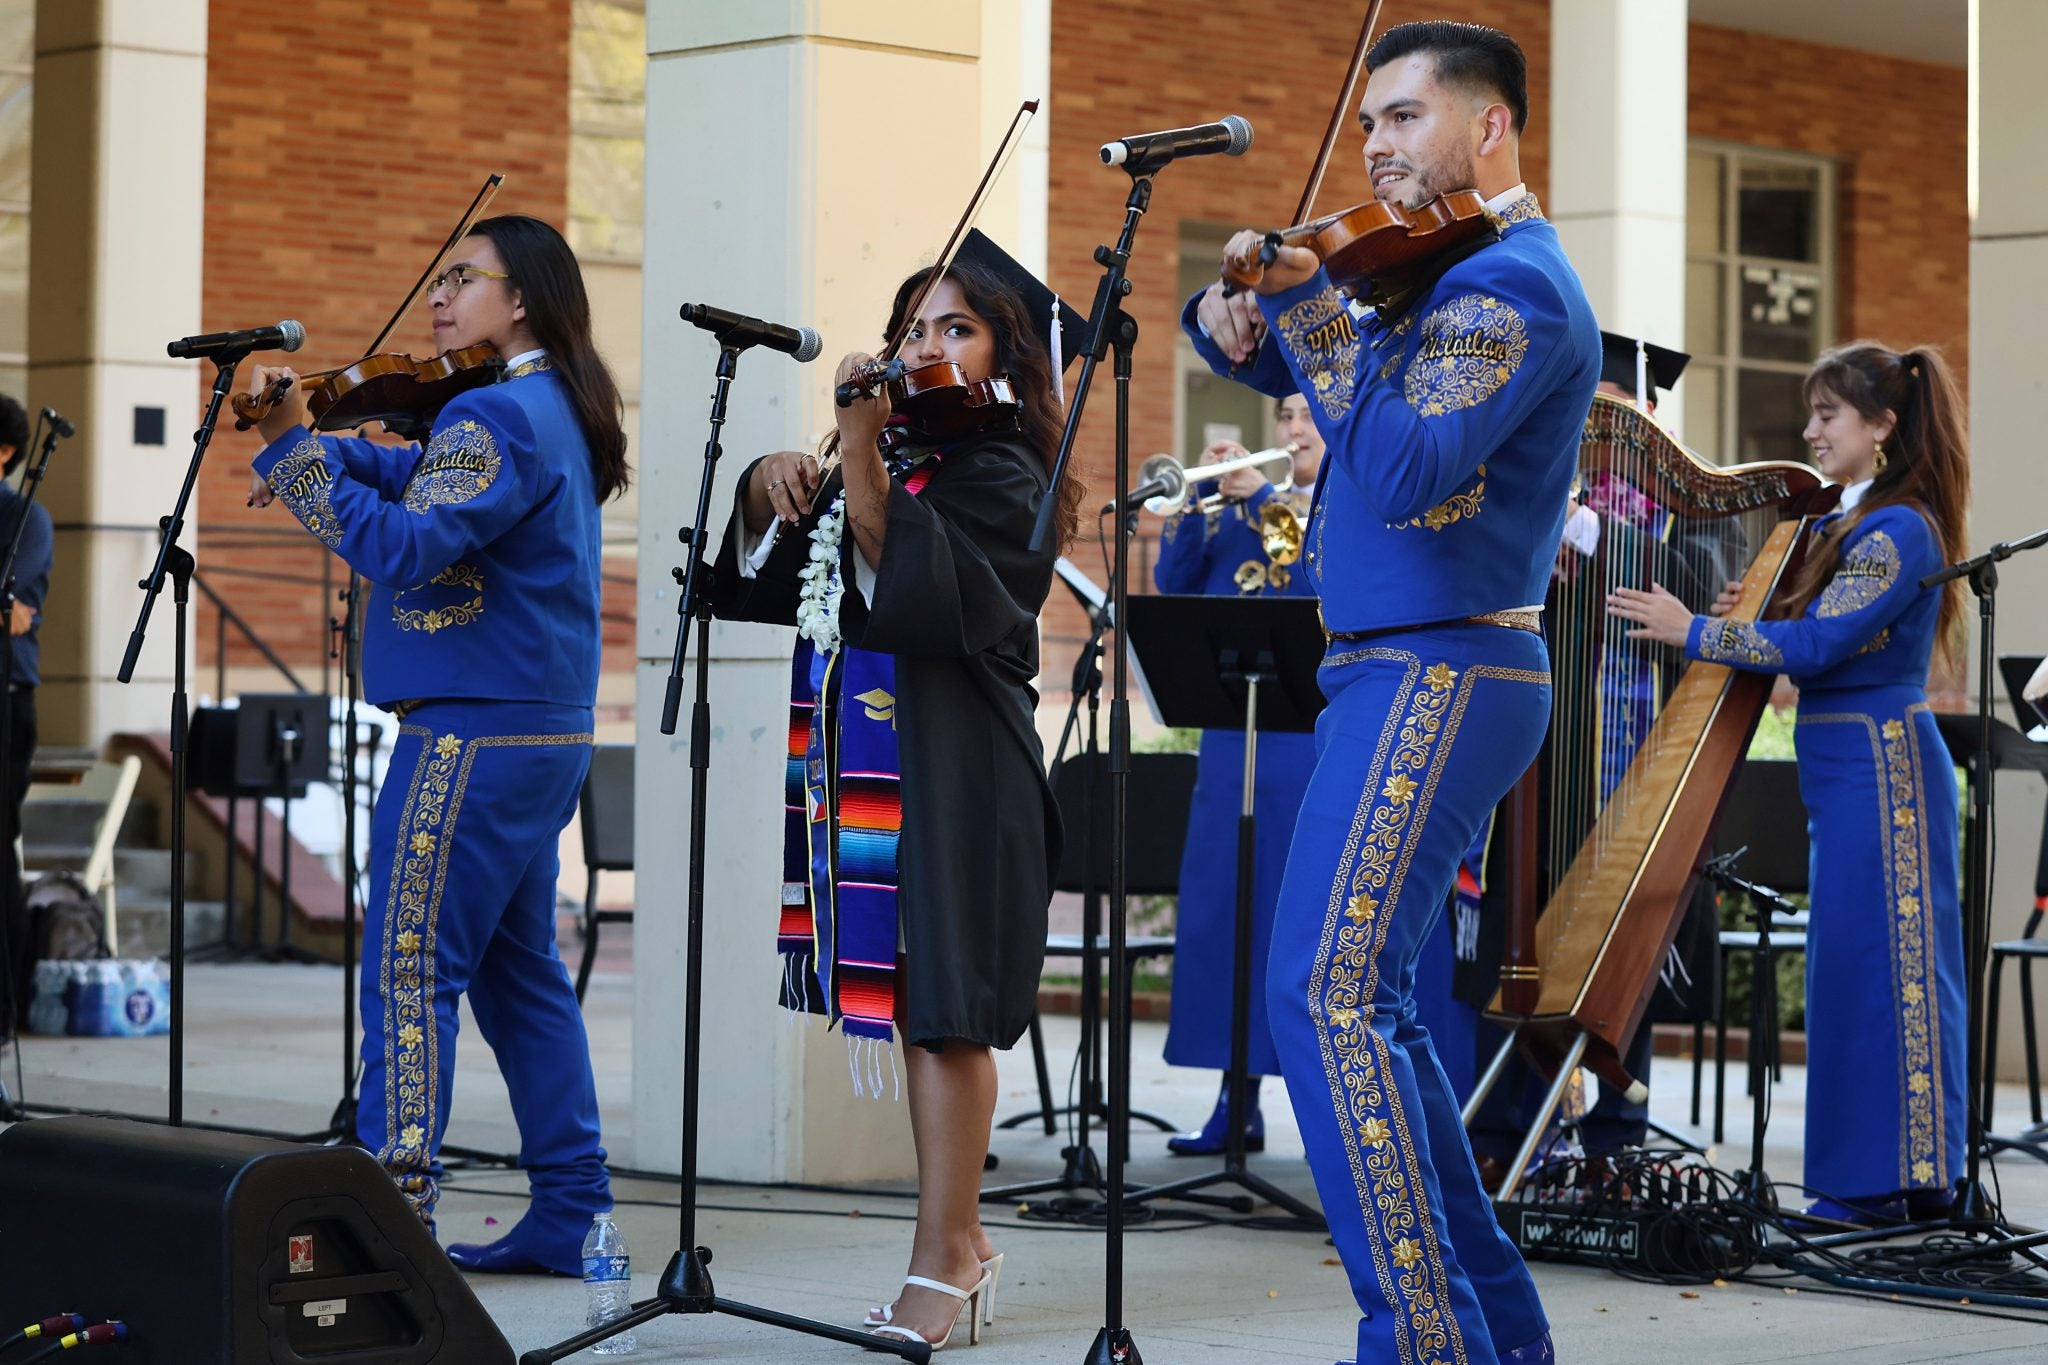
(218, 1249)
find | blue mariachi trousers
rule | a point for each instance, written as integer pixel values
(1887, 1023)
(462, 898)
(1424, 733)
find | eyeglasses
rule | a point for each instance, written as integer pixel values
(455, 277)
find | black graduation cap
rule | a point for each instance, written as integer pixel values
(1618, 363)
(1038, 298)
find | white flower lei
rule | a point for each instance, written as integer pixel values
(817, 606)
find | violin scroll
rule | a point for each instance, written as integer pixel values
(865, 379)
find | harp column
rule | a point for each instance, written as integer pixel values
(1617, 159)
(772, 131)
(2008, 280)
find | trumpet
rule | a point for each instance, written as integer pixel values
(1277, 465)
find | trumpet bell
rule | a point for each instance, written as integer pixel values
(1281, 530)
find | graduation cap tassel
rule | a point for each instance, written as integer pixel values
(1642, 376)
(1052, 344)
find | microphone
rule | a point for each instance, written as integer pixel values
(58, 422)
(288, 335)
(1143, 153)
(1166, 480)
(737, 329)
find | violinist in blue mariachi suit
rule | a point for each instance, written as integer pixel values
(1886, 1018)
(1247, 544)
(1453, 425)
(482, 634)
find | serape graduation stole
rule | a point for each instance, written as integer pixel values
(842, 819)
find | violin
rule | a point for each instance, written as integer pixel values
(939, 400)
(1373, 248)
(402, 393)
(1382, 253)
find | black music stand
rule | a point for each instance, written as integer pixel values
(1163, 785)
(274, 744)
(1217, 663)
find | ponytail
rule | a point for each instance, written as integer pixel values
(1926, 465)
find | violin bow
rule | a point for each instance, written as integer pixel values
(1004, 151)
(476, 207)
(1338, 114)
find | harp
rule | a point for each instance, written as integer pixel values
(1606, 831)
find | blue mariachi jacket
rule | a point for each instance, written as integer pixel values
(1873, 625)
(1224, 553)
(482, 549)
(1452, 431)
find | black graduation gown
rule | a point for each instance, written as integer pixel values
(956, 599)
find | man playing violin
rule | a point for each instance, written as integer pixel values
(1452, 428)
(482, 634)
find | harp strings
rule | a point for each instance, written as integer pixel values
(1608, 690)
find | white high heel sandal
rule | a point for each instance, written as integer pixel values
(992, 1268)
(970, 1297)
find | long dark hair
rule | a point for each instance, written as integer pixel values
(1926, 459)
(1021, 354)
(550, 284)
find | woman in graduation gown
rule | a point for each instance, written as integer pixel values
(1885, 1014)
(482, 634)
(922, 834)
(1224, 554)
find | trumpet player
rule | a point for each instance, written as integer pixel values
(1237, 535)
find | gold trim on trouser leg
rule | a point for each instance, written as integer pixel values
(1400, 786)
(411, 1082)
(1909, 928)
(412, 1041)
(1407, 1255)
(1920, 1028)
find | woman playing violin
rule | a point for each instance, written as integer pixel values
(482, 548)
(921, 834)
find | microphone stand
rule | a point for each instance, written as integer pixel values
(346, 633)
(176, 562)
(1764, 903)
(686, 1286)
(31, 484)
(1110, 327)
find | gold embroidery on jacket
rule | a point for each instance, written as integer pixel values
(1867, 572)
(1723, 641)
(1460, 506)
(1320, 334)
(461, 462)
(1470, 348)
(432, 619)
(303, 483)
